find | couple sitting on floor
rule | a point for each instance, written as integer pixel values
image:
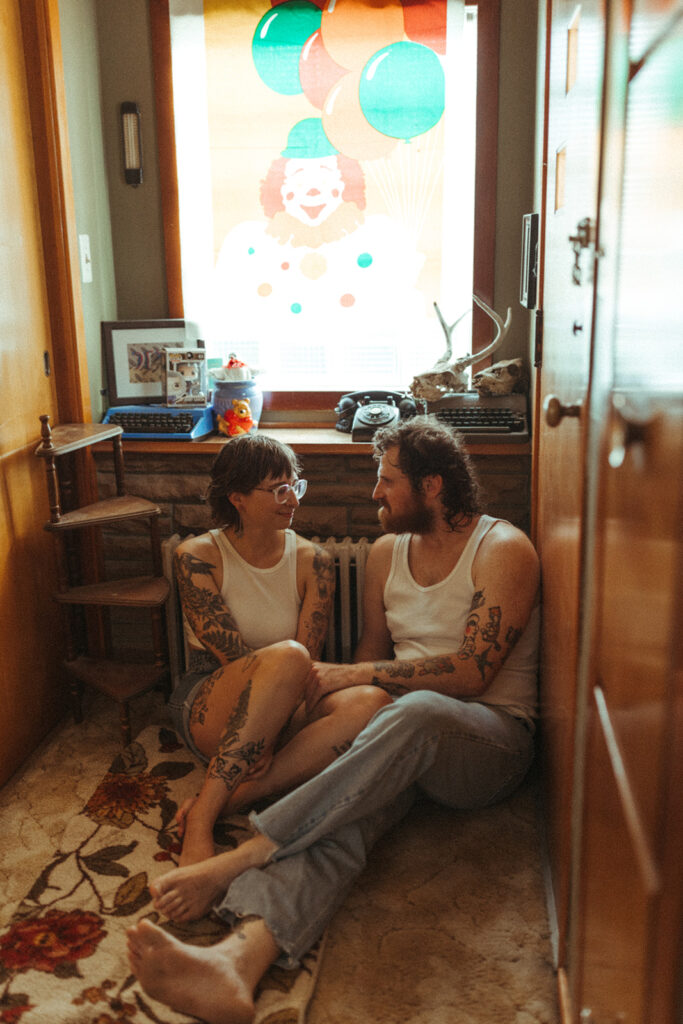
(441, 697)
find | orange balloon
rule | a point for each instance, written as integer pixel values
(346, 126)
(426, 23)
(353, 30)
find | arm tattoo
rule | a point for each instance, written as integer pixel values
(316, 625)
(437, 666)
(477, 600)
(396, 669)
(206, 612)
(482, 663)
(469, 643)
(393, 689)
(491, 630)
(512, 636)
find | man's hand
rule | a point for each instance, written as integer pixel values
(323, 679)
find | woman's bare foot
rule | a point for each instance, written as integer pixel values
(189, 892)
(206, 982)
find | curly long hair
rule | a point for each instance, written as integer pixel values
(244, 463)
(427, 447)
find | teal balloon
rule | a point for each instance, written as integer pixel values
(278, 41)
(402, 90)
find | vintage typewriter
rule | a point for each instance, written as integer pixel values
(484, 418)
(161, 422)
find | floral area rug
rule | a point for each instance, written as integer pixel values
(63, 955)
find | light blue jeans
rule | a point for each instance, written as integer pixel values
(462, 754)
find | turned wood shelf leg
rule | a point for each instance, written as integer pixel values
(76, 700)
(124, 719)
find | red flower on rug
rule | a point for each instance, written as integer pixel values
(51, 942)
(119, 798)
(12, 1008)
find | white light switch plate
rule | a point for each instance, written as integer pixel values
(86, 262)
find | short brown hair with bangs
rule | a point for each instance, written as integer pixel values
(244, 463)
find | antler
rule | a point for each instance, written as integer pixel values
(444, 376)
(502, 329)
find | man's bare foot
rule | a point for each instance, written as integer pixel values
(206, 982)
(189, 892)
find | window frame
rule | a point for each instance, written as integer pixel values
(486, 158)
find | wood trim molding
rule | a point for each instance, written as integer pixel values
(47, 109)
(168, 171)
(486, 164)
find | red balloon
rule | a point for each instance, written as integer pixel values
(425, 22)
(317, 71)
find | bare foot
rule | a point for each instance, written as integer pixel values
(206, 982)
(189, 892)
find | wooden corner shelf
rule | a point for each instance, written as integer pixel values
(119, 679)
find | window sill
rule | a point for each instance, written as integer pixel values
(308, 439)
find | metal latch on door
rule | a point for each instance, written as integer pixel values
(583, 239)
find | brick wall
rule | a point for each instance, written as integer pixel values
(337, 503)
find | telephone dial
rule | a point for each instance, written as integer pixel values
(361, 413)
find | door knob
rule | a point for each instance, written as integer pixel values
(555, 411)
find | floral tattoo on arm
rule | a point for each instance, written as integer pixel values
(206, 611)
(316, 623)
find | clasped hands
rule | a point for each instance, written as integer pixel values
(324, 679)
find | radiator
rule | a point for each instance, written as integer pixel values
(346, 622)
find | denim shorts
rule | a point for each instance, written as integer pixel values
(180, 705)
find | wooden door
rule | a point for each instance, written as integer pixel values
(574, 93)
(30, 689)
(626, 947)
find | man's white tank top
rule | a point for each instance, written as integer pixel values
(264, 603)
(428, 621)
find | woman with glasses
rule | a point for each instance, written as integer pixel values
(256, 602)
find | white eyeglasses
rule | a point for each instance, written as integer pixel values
(281, 492)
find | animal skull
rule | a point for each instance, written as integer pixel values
(503, 378)
(447, 377)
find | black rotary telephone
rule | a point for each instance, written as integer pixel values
(361, 413)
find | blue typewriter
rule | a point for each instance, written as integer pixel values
(161, 422)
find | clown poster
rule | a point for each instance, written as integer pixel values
(338, 142)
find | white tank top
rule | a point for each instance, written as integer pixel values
(264, 603)
(428, 621)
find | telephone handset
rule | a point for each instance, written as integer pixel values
(361, 413)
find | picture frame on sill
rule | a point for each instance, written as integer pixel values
(135, 358)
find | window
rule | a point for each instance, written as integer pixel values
(326, 184)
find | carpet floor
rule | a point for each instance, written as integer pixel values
(447, 925)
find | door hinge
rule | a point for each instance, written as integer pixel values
(538, 339)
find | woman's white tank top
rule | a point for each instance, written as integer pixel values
(264, 603)
(428, 621)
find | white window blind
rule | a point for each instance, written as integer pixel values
(330, 292)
